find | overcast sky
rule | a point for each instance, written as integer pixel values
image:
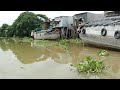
(9, 16)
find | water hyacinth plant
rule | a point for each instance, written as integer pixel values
(90, 65)
(103, 53)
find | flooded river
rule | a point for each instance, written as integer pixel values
(24, 60)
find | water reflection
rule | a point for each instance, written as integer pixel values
(27, 53)
(26, 60)
(20, 60)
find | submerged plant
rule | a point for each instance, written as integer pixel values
(90, 65)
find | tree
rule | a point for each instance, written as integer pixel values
(11, 31)
(3, 30)
(24, 24)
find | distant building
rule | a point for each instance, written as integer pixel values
(111, 13)
(63, 23)
(88, 16)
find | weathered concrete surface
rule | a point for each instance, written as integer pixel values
(93, 32)
(105, 21)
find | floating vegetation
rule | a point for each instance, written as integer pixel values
(26, 39)
(61, 43)
(77, 41)
(90, 65)
(44, 43)
(64, 43)
(103, 53)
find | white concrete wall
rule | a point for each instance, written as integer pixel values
(97, 30)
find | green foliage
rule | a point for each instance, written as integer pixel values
(89, 65)
(23, 25)
(103, 53)
(26, 39)
(65, 42)
(4, 30)
(44, 43)
(43, 16)
(77, 41)
(11, 31)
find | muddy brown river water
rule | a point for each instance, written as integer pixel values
(23, 60)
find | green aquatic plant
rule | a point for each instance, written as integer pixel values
(90, 65)
(26, 39)
(77, 41)
(44, 43)
(62, 43)
(103, 53)
(65, 42)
